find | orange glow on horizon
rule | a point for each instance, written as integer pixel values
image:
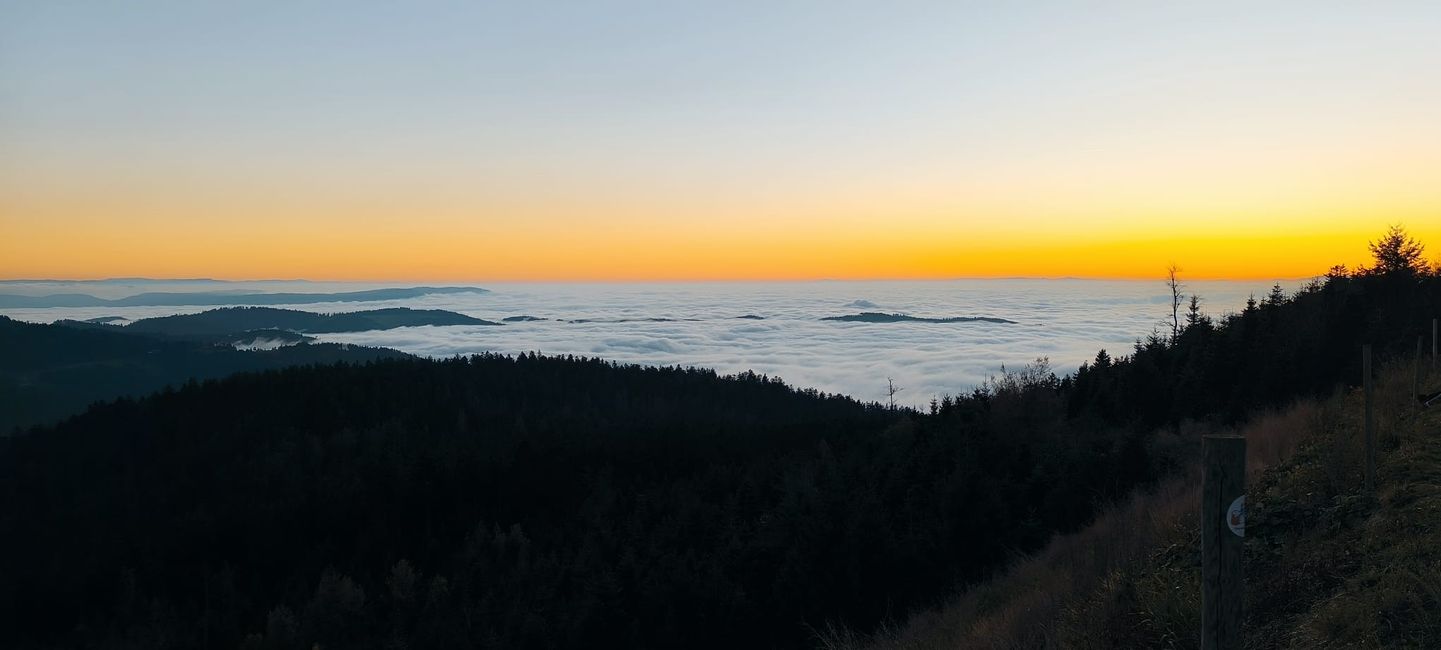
(1276, 214)
(652, 251)
(1067, 217)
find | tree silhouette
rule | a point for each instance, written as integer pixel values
(1194, 316)
(1175, 285)
(1397, 254)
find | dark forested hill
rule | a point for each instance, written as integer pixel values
(50, 371)
(1277, 348)
(229, 320)
(515, 503)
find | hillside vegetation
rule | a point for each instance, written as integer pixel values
(1325, 564)
(518, 502)
(48, 372)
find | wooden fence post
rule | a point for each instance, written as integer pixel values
(1223, 525)
(1416, 371)
(1433, 345)
(1370, 423)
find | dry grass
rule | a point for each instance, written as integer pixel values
(1332, 566)
(1057, 597)
(1327, 565)
(1274, 437)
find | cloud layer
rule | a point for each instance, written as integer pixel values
(702, 325)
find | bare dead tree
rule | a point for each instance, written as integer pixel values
(1174, 283)
(891, 390)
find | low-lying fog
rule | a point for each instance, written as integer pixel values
(771, 328)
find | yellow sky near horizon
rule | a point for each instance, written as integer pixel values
(1129, 221)
(1108, 216)
(398, 249)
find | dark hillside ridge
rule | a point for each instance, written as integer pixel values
(226, 338)
(229, 320)
(51, 371)
(526, 502)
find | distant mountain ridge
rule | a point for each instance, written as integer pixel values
(51, 371)
(879, 317)
(202, 299)
(231, 320)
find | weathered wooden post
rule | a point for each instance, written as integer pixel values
(1370, 424)
(1416, 371)
(1223, 525)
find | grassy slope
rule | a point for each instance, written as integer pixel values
(1335, 568)
(1326, 566)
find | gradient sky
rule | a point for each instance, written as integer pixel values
(731, 140)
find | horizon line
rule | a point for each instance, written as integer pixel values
(433, 281)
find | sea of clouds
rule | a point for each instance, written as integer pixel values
(700, 324)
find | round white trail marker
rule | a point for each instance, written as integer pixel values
(1236, 516)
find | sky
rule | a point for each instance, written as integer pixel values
(608, 140)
